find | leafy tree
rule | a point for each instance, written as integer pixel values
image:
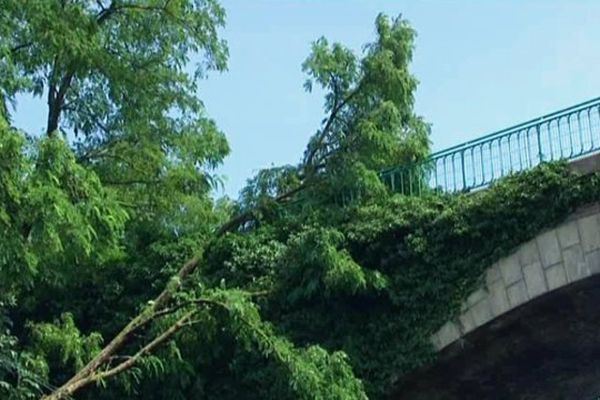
(370, 124)
(369, 102)
(98, 211)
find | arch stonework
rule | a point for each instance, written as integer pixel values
(555, 258)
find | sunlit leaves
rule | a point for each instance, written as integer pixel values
(369, 101)
(22, 375)
(53, 212)
(61, 341)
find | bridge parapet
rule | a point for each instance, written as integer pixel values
(555, 258)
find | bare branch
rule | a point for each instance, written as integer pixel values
(147, 349)
(90, 376)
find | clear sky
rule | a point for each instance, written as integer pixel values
(482, 66)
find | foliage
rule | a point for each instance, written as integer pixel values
(369, 102)
(370, 123)
(62, 338)
(52, 210)
(378, 281)
(22, 375)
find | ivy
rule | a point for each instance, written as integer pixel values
(378, 280)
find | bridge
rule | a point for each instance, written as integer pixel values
(532, 330)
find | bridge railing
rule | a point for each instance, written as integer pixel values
(566, 134)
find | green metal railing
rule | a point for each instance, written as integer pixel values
(566, 134)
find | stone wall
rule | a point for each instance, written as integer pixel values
(555, 258)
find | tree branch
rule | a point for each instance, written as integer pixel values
(106, 13)
(56, 100)
(337, 107)
(147, 349)
(79, 381)
(246, 216)
(159, 307)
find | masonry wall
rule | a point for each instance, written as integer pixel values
(555, 258)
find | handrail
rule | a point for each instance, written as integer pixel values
(564, 134)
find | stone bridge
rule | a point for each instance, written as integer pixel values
(554, 259)
(533, 330)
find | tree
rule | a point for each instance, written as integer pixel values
(127, 150)
(370, 123)
(369, 102)
(116, 192)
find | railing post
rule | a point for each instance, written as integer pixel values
(539, 140)
(462, 167)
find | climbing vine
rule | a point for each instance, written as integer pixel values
(379, 278)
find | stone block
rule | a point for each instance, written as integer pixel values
(586, 165)
(568, 234)
(575, 264)
(464, 307)
(447, 334)
(592, 259)
(498, 298)
(528, 253)
(476, 297)
(517, 294)
(510, 269)
(482, 312)
(549, 248)
(435, 340)
(535, 279)
(467, 322)
(556, 276)
(492, 275)
(589, 230)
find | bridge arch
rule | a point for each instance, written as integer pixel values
(554, 259)
(531, 332)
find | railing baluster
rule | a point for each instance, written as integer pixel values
(580, 133)
(482, 164)
(436, 174)
(500, 156)
(560, 145)
(445, 174)
(462, 167)
(539, 141)
(589, 118)
(511, 166)
(453, 172)
(519, 150)
(529, 159)
(474, 175)
(572, 148)
(550, 140)
(491, 161)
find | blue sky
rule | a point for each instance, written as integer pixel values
(482, 66)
